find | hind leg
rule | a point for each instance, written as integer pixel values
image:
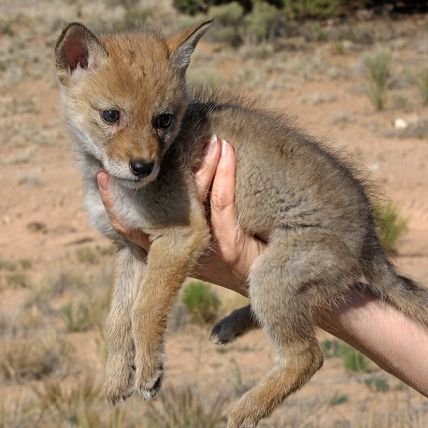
(294, 278)
(237, 323)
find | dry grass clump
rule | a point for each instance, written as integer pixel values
(77, 316)
(390, 225)
(377, 384)
(418, 130)
(88, 308)
(87, 255)
(26, 321)
(353, 360)
(60, 405)
(18, 414)
(185, 408)
(378, 70)
(338, 399)
(86, 311)
(409, 417)
(18, 280)
(8, 265)
(32, 358)
(422, 82)
(70, 405)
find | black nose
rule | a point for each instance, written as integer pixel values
(141, 168)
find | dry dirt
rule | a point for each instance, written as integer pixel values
(43, 225)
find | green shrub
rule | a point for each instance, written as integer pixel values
(353, 360)
(390, 225)
(310, 8)
(264, 22)
(338, 399)
(190, 7)
(330, 348)
(201, 302)
(135, 17)
(378, 69)
(228, 18)
(422, 82)
(227, 14)
(377, 384)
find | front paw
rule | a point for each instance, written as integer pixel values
(148, 378)
(119, 378)
(245, 413)
(239, 419)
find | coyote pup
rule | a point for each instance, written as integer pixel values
(130, 113)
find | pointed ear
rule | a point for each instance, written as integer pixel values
(77, 48)
(181, 45)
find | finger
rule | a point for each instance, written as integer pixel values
(223, 189)
(139, 238)
(103, 181)
(223, 218)
(135, 235)
(206, 172)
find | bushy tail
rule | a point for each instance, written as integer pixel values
(403, 293)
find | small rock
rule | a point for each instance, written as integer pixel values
(400, 124)
(37, 226)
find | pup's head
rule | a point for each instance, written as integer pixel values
(125, 96)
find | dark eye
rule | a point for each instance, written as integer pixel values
(110, 116)
(164, 120)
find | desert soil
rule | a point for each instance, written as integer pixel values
(43, 225)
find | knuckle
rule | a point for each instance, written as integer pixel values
(219, 201)
(119, 228)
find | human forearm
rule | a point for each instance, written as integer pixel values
(385, 335)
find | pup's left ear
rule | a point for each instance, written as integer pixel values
(182, 44)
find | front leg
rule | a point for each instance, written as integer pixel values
(119, 371)
(171, 258)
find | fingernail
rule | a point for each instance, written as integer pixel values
(102, 179)
(212, 143)
(224, 146)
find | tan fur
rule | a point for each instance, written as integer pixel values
(309, 204)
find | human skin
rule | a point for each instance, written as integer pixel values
(377, 329)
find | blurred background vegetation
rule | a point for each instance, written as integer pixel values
(354, 69)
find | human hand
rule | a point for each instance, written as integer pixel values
(233, 251)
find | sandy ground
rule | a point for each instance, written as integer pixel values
(42, 220)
